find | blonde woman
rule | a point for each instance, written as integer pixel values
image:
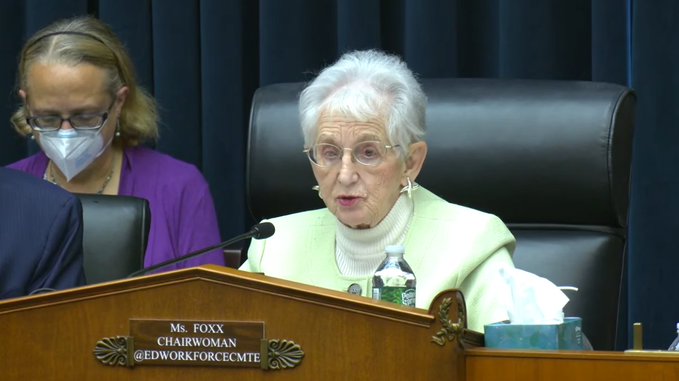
(83, 106)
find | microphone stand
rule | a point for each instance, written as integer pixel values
(253, 232)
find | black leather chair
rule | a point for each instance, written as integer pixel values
(115, 235)
(551, 158)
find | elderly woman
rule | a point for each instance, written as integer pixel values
(363, 120)
(82, 105)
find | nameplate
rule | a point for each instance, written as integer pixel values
(198, 343)
(192, 342)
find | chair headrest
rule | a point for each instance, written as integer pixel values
(529, 151)
(115, 235)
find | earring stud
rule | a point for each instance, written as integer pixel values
(317, 188)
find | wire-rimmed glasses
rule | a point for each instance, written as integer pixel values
(368, 153)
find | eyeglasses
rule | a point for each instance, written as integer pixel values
(85, 121)
(369, 153)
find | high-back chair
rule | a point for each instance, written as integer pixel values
(551, 158)
(115, 235)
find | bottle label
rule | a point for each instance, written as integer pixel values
(409, 297)
(399, 295)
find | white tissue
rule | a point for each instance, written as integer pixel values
(533, 299)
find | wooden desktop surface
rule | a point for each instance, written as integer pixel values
(489, 364)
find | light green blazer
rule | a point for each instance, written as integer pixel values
(447, 246)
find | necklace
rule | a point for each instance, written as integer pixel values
(53, 179)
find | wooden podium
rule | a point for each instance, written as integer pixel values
(310, 333)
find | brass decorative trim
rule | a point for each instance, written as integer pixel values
(282, 354)
(115, 351)
(449, 331)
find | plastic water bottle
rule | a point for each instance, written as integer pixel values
(394, 280)
(675, 344)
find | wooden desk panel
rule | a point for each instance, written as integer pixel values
(344, 337)
(489, 364)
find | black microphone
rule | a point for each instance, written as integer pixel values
(259, 231)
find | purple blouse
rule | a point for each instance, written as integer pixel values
(183, 217)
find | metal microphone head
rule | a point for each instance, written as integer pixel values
(263, 230)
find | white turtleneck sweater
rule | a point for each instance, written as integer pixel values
(359, 251)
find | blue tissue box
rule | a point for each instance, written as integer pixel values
(567, 335)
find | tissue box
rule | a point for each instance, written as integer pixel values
(567, 335)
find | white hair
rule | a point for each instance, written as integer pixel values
(364, 85)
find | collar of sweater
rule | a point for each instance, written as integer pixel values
(359, 251)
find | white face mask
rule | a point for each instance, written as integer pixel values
(71, 150)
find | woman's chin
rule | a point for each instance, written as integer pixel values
(354, 223)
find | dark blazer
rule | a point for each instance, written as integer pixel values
(40, 236)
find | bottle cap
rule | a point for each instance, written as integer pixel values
(394, 249)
